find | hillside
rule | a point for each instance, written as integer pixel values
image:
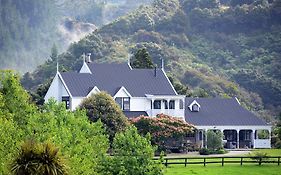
(228, 48)
(30, 28)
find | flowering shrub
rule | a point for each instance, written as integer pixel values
(165, 131)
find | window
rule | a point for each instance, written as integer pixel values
(172, 104)
(66, 101)
(195, 108)
(123, 102)
(157, 104)
(119, 101)
(126, 104)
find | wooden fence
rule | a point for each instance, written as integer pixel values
(220, 160)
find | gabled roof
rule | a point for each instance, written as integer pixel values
(217, 112)
(110, 77)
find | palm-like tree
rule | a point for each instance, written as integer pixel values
(38, 159)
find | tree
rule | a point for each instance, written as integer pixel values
(214, 140)
(142, 60)
(10, 136)
(16, 100)
(132, 155)
(83, 142)
(101, 106)
(166, 131)
(38, 158)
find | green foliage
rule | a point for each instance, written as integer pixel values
(101, 106)
(10, 135)
(132, 155)
(142, 60)
(204, 151)
(214, 49)
(16, 101)
(164, 130)
(39, 158)
(214, 140)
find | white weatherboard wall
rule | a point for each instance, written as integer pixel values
(75, 102)
(56, 90)
(140, 104)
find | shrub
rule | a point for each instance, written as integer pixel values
(259, 156)
(166, 132)
(38, 158)
(204, 151)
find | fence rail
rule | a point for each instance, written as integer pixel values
(220, 160)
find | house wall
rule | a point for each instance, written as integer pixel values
(140, 104)
(56, 90)
(75, 102)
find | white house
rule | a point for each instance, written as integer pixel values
(149, 92)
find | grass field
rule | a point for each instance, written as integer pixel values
(229, 169)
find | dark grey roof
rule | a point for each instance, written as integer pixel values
(217, 112)
(133, 114)
(111, 77)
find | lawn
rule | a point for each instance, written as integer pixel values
(229, 169)
(226, 170)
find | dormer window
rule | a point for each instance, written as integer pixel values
(194, 106)
(123, 102)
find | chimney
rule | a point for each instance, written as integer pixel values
(162, 63)
(155, 71)
(89, 57)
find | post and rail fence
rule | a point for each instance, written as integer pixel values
(220, 160)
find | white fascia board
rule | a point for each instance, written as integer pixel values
(124, 90)
(93, 90)
(233, 127)
(68, 91)
(165, 96)
(169, 81)
(237, 100)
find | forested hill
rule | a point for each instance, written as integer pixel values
(30, 28)
(221, 48)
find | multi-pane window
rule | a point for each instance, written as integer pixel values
(172, 104)
(157, 104)
(126, 104)
(66, 101)
(123, 102)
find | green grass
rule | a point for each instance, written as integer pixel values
(229, 169)
(270, 152)
(226, 170)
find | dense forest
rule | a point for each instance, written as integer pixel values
(215, 48)
(30, 28)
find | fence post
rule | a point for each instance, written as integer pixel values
(185, 162)
(241, 161)
(278, 160)
(204, 161)
(222, 161)
(260, 161)
(166, 163)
